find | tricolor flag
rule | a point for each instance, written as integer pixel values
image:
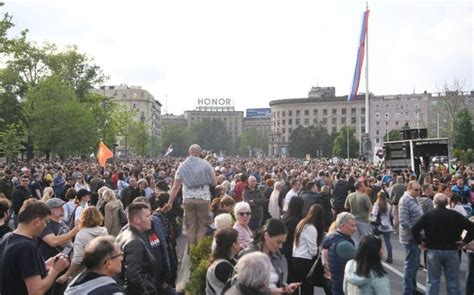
(103, 153)
(360, 57)
(169, 150)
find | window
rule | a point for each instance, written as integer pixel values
(362, 120)
(324, 121)
(289, 130)
(297, 112)
(334, 111)
(315, 121)
(334, 121)
(343, 111)
(377, 115)
(283, 122)
(290, 121)
(376, 106)
(362, 129)
(315, 112)
(377, 140)
(297, 121)
(377, 123)
(278, 114)
(343, 120)
(282, 130)
(353, 120)
(396, 123)
(134, 106)
(377, 132)
(290, 113)
(306, 112)
(353, 111)
(325, 112)
(362, 110)
(333, 130)
(283, 113)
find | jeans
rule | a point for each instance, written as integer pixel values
(470, 273)
(363, 229)
(388, 243)
(439, 260)
(412, 261)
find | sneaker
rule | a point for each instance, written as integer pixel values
(389, 260)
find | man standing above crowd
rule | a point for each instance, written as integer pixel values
(130, 192)
(358, 203)
(409, 213)
(197, 176)
(22, 270)
(443, 228)
(20, 195)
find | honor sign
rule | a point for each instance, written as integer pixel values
(214, 102)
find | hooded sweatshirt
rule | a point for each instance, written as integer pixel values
(83, 237)
(358, 285)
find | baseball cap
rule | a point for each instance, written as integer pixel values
(55, 203)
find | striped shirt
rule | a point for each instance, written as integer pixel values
(409, 211)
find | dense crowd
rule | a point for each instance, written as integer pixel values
(279, 226)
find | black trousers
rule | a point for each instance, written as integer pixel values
(301, 268)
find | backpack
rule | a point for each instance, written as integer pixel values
(375, 191)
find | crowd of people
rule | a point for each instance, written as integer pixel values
(73, 227)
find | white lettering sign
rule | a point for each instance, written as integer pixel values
(215, 102)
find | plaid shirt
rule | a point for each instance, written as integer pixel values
(409, 211)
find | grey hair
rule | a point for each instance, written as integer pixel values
(223, 220)
(195, 149)
(241, 206)
(440, 200)
(253, 270)
(252, 177)
(343, 218)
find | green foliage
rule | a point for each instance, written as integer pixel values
(58, 122)
(153, 146)
(310, 140)
(464, 134)
(199, 255)
(465, 156)
(393, 135)
(10, 110)
(10, 141)
(252, 140)
(138, 138)
(211, 135)
(179, 136)
(339, 147)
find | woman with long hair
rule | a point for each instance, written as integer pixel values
(222, 262)
(48, 193)
(383, 209)
(113, 208)
(326, 204)
(290, 220)
(308, 236)
(269, 241)
(365, 274)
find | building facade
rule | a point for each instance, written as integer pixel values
(388, 112)
(170, 119)
(322, 107)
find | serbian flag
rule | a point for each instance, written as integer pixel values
(103, 153)
(169, 150)
(360, 57)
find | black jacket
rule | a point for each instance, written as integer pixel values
(443, 228)
(340, 194)
(20, 195)
(128, 195)
(310, 198)
(138, 266)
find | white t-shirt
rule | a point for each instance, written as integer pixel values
(289, 195)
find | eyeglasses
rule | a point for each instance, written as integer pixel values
(245, 213)
(416, 189)
(117, 255)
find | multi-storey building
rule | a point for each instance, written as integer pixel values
(389, 112)
(170, 119)
(260, 119)
(322, 107)
(147, 108)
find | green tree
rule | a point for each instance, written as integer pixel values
(313, 140)
(393, 135)
(211, 135)
(138, 138)
(464, 134)
(339, 147)
(252, 140)
(10, 141)
(59, 123)
(154, 147)
(179, 137)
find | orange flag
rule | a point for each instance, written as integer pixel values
(103, 153)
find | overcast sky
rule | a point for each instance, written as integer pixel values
(254, 51)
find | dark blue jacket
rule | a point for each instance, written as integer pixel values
(341, 249)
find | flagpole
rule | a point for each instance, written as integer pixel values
(367, 75)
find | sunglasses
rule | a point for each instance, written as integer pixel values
(245, 213)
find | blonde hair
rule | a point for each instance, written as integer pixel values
(47, 194)
(101, 190)
(90, 217)
(108, 195)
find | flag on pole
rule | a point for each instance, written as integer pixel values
(360, 57)
(103, 153)
(169, 150)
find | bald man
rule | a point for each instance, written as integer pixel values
(196, 176)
